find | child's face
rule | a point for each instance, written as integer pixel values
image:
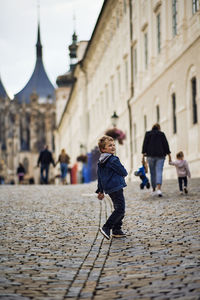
(109, 147)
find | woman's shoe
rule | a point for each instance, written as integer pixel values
(159, 193)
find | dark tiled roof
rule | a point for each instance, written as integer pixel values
(39, 82)
(3, 93)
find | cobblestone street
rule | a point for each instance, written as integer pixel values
(51, 247)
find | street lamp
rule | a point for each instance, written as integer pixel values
(114, 119)
(82, 148)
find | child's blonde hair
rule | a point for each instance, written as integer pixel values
(103, 140)
(179, 155)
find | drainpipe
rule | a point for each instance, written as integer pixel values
(132, 88)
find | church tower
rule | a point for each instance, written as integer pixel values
(66, 80)
(30, 121)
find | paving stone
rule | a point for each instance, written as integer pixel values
(51, 247)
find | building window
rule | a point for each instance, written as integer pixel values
(158, 33)
(125, 6)
(126, 73)
(117, 18)
(112, 89)
(135, 63)
(119, 80)
(174, 17)
(195, 6)
(157, 113)
(174, 113)
(107, 95)
(145, 123)
(194, 100)
(146, 50)
(26, 165)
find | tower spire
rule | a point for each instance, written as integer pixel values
(74, 21)
(38, 45)
(73, 47)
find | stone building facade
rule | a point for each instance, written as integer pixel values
(143, 62)
(27, 123)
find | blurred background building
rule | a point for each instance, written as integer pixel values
(143, 62)
(27, 122)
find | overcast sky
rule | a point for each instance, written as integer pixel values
(18, 35)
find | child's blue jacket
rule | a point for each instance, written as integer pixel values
(111, 174)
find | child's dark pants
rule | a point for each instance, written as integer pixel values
(115, 220)
(180, 182)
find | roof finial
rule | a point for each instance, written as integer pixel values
(38, 45)
(38, 11)
(74, 21)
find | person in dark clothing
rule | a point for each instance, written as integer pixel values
(20, 173)
(111, 175)
(155, 148)
(44, 160)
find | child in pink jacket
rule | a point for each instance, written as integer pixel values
(183, 171)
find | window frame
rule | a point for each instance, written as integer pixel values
(146, 60)
(194, 100)
(174, 17)
(157, 113)
(174, 118)
(158, 31)
(195, 6)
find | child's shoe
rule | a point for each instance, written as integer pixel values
(118, 233)
(181, 193)
(185, 190)
(106, 232)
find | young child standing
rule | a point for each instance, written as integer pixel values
(183, 171)
(111, 181)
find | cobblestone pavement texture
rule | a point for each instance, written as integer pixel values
(51, 247)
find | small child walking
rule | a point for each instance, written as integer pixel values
(183, 171)
(111, 181)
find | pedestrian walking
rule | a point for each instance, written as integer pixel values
(20, 173)
(64, 160)
(155, 148)
(182, 170)
(44, 160)
(111, 181)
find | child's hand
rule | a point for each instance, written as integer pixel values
(100, 196)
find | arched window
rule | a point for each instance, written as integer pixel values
(145, 123)
(174, 113)
(157, 113)
(26, 164)
(25, 132)
(158, 22)
(174, 17)
(146, 50)
(195, 6)
(194, 100)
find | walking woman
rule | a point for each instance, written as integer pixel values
(155, 148)
(64, 160)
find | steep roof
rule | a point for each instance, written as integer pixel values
(39, 82)
(3, 93)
